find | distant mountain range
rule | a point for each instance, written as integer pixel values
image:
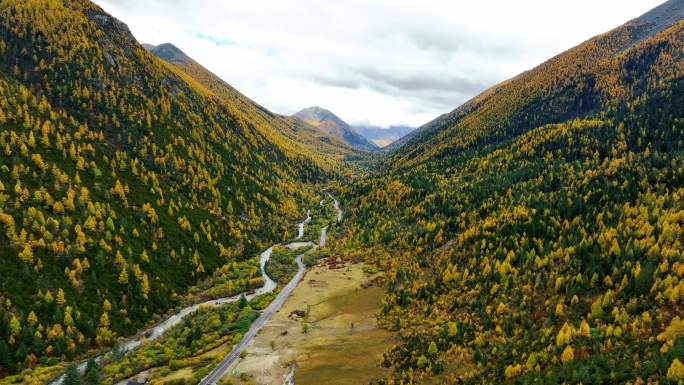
(331, 124)
(382, 137)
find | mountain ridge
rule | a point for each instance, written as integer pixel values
(381, 136)
(298, 137)
(124, 182)
(530, 87)
(520, 231)
(330, 123)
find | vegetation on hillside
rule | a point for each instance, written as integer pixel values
(536, 235)
(532, 235)
(123, 182)
(293, 135)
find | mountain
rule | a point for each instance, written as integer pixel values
(292, 134)
(167, 52)
(124, 182)
(571, 84)
(329, 123)
(401, 141)
(534, 234)
(382, 137)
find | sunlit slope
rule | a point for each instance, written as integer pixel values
(534, 235)
(291, 134)
(584, 79)
(123, 182)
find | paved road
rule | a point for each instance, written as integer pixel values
(269, 285)
(221, 368)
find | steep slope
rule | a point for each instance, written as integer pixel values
(329, 123)
(534, 235)
(383, 137)
(574, 83)
(292, 135)
(123, 182)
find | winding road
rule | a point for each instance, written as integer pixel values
(221, 368)
(156, 331)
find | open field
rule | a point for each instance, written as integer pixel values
(341, 315)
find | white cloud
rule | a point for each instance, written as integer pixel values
(379, 61)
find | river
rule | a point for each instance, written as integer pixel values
(337, 207)
(156, 331)
(301, 225)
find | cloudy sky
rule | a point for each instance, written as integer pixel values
(380, 62)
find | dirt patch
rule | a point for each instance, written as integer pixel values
(341, 314)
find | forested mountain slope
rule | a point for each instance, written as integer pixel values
(123, 181)
(574, 83)
(534, 235)
(292, 134)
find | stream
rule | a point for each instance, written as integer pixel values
(301, 225)
(337, 207)
(156, 331)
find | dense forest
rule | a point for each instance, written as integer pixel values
(293, 136)
(124, 181)
(534, 235)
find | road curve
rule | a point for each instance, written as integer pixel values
(156, 331)
(221, 368)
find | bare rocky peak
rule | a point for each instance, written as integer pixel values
(316, 113)
(663, 16)
(168, 52)
(656, 20)
(331, 124)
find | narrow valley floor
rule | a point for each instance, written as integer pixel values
(343, 344)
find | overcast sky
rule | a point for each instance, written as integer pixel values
(383, 62)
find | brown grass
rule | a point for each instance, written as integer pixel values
(333, 352)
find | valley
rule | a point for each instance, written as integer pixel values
(158, 225)
(344, 339)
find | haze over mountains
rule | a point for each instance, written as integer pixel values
(329, 123)
(382, 137)
(532, 235)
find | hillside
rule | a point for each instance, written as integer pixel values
(574, 83)
(293, 135)
(124, 182)
(327, 122)
(534, 235)
(383, 137)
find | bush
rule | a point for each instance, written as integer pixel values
(201, 373)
